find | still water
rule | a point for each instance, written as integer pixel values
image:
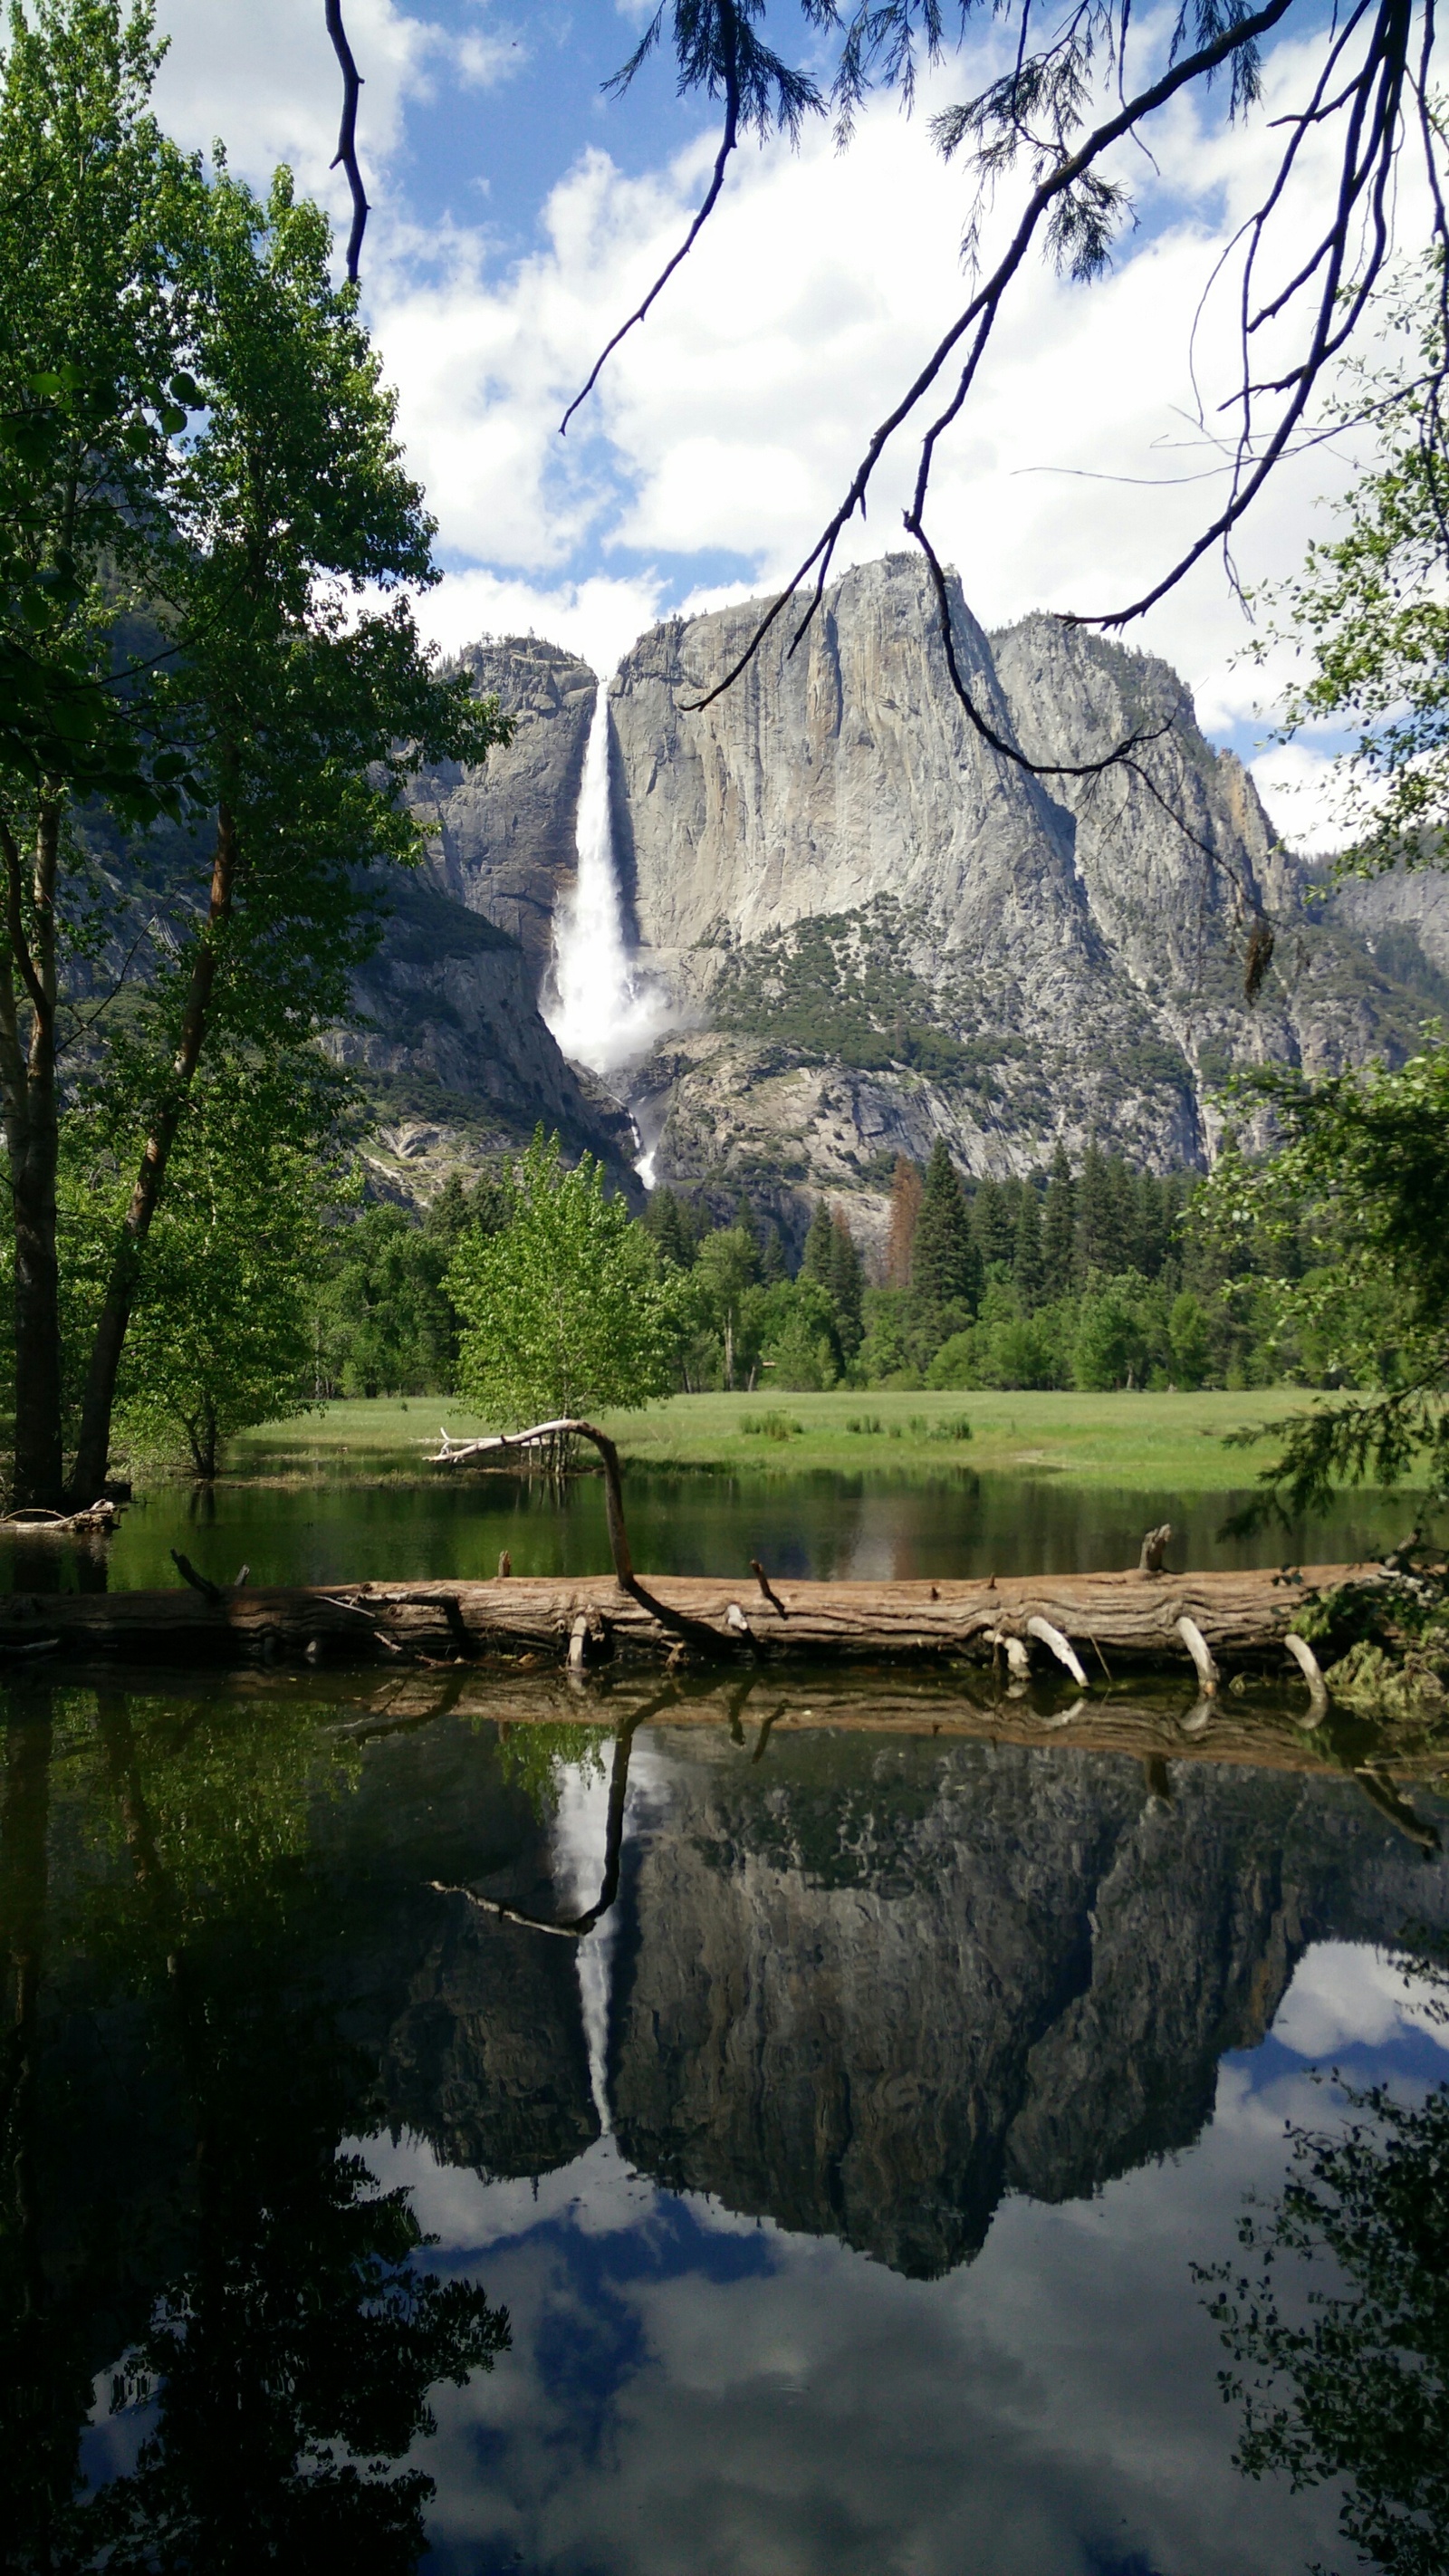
(866, 1527)
(839, 2193)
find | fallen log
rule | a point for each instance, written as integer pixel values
(1140, 1619)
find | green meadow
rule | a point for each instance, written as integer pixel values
(1172, 1441)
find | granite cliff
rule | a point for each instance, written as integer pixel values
(873, 929)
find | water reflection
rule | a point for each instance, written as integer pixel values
(1344, 2379)
(832, 1526)
(841, 2170)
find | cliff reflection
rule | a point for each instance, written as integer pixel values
(863, 1983)
(872, 1990)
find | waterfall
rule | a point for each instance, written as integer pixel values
(599, 1010)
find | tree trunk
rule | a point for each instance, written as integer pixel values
(27, 1084)
(93, 1447)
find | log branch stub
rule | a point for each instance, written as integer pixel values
(1308, 1664)
(1018, 1661)
(767, 1588)
(1201, 1653)
(1064, 1652)
(201, 1583)
(1154, 1548)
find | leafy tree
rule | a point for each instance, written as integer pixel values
(1187, 1331)
(96, 224)
(726, 1269)
(307, 710)
(1357, 2388)
(1363, 1171)
(387, 1322)
(223, 1330)
(1368, 613)
(216, 573)
(565, 1310)
(1112, 1346)
(795, 1325)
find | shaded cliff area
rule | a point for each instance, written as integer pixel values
(869, 1994)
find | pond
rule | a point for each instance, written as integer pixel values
(457, 2123)
(866, 1526)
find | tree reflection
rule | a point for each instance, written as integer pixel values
(282, 2357)
(1349, 2378)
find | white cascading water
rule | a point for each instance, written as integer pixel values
(579, 1824)
(600, 1011)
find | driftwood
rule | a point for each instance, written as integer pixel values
(34, 1521)
(1138, 1620)
(1145, 1616)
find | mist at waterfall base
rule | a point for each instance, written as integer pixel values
(600, 1011)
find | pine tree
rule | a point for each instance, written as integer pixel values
(846, 1284)
(1122, 1202)
(1059, 1229)
(819, 1246)
(946, 1270)
(773, 1264)
(1096, 1215)
(905, 1209)
(665, 1219)
(1028, 1267)
(992, 1224)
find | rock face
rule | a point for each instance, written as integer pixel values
(502, 837)
(870, 1997)
(873, 927)
(457, 1061)
(879, 930)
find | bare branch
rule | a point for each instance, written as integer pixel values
(728, 141)
(982, 311)
(345, 155)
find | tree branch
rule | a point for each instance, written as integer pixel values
(345, 155)
(728, 141)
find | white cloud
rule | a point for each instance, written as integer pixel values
(732, 420)
(1302, 787)
(1345, 1994)
(598, 618)
(266, 79)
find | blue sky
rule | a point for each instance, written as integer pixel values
(520, 213)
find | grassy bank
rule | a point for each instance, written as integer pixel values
(1124, 1440)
